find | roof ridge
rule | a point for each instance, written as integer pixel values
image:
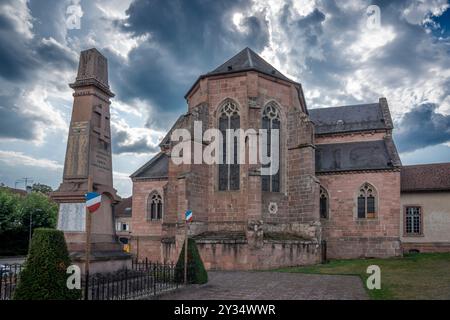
(226, 62)
(147, 164)
(427, 164)
(343, 106)
(249, 57)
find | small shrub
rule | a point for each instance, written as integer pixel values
(44, 275)
(196, 270)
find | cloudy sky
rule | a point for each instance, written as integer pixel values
(157, 48)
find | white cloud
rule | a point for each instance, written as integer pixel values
(418, 10)
(19, 13)
(17, 159)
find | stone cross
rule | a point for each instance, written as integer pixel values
(103, 130)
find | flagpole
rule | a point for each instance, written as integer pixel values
(185, 250)
(88, 242)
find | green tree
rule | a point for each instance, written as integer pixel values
(16, 213)
(196, 270)
(9, 203)
(38, 209)
(42, 188)
(44, 275)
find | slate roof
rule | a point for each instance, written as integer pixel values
(426, 177)
(357, 156)
(178, 124)
(123, 208)
(353, 118)
(245, 60)
(157, 167)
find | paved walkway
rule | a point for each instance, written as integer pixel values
(243, 285)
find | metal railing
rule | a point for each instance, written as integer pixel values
(9, 276)
(145, 279)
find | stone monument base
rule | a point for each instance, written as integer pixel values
(102, 261)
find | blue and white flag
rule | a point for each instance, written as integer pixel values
(188, 216)
(93, 201)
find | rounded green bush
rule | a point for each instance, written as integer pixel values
(196, 270)
(44, 275)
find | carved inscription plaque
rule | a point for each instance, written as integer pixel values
(77, 149)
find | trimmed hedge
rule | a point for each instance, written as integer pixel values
(196, 270)
(44, 275)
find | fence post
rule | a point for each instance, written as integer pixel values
(155, 266)
(126, 283)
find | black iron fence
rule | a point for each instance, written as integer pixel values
(9, 275)
(144, 279)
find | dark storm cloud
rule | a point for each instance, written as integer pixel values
(186, 39)
(15, 59)
(21, 58)
(421, 127)
(13, 124)
(120, 144)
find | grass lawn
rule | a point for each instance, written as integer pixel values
(415, 276)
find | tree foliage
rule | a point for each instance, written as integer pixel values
(16, 213)
(42, 188)
(44, 275)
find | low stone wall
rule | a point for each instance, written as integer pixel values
(357, 247)
(426, 247)
(273, 254)
(236, 254)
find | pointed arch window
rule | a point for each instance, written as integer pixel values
(229, 118)
(324, 203)
(367, 201)
(270, 121)
(154, 206)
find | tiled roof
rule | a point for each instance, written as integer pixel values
(426, 177)
(353, 118)
(124, 207)
(16, 191)
(351, 156)
(157, 167)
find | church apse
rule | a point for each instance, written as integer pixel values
(242, 219)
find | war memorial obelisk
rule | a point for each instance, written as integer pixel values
(88, 161)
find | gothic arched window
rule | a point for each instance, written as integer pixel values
(229, 168)
(367, 201)
(154, 206)
(324, 203)
(271, 120)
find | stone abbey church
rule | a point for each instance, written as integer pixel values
(340, 191)
(339, 179)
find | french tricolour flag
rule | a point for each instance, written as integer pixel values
(188, 216)
(93, 201)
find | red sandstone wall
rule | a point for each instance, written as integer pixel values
(350, 237)
(252, 91)
(140, 226)
(223, 256)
